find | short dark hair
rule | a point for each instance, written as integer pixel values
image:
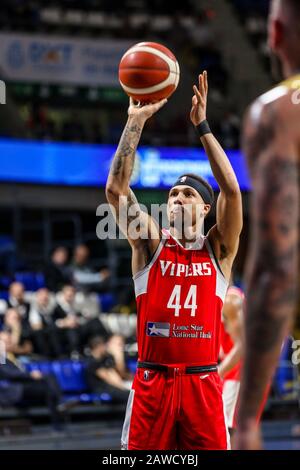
(203, 181)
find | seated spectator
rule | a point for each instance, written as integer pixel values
(17, 301)
(68, 319)
(45, 334)
(76, 329)
(19, 332)
(115, 347)
(42, 309)
(102, 374)
(57, 273)
(22, 389)
(84, 277)
(65, 313)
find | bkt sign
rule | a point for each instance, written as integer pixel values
(2, 92)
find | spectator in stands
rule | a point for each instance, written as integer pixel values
(202, 34)
(42, 309)
(102, 374)
(115, 347)
(76, 329)
(45, 334)
(19, 331)
(68, 319)
(84, 276)
(22, 389)
(17, 301)
(56, 272)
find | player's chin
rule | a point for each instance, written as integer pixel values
(175, 220)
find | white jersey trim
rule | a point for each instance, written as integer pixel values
(222, 283)
(226, 426)
(126, 425)
(140, 279)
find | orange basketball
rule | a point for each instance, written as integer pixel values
(149, 72)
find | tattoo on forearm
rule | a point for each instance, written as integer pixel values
(126, 149)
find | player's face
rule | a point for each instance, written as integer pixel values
(185, 204)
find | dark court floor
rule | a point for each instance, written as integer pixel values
(105, 435)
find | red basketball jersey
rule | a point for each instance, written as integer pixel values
(227, 343)
(180, 296)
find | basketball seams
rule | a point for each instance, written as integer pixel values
(171, 80)
(149, 87)
(151, 50)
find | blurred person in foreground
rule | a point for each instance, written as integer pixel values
(272, 145)
(103, 371)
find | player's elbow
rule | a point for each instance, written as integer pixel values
(233, 191)
(113, 192)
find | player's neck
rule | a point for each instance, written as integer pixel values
(185, 238)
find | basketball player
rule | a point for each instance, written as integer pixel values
(180, 285)
(272, 145)
(231, 352)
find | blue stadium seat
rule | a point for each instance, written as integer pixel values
(5, 282)
(32, 281)
(131, 365)
(71, 378)
(4, 295)
(107, 301)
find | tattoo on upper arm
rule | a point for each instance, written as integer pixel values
(274, 250)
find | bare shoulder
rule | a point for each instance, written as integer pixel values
(272, 123)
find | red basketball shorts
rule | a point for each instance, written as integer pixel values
(175, 411)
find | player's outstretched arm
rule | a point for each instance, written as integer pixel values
(119, 193)
(272, 268)
(225, 235)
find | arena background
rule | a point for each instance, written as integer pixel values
(63, 116)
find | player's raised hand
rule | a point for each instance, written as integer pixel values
(199, 100)
(144, 111)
